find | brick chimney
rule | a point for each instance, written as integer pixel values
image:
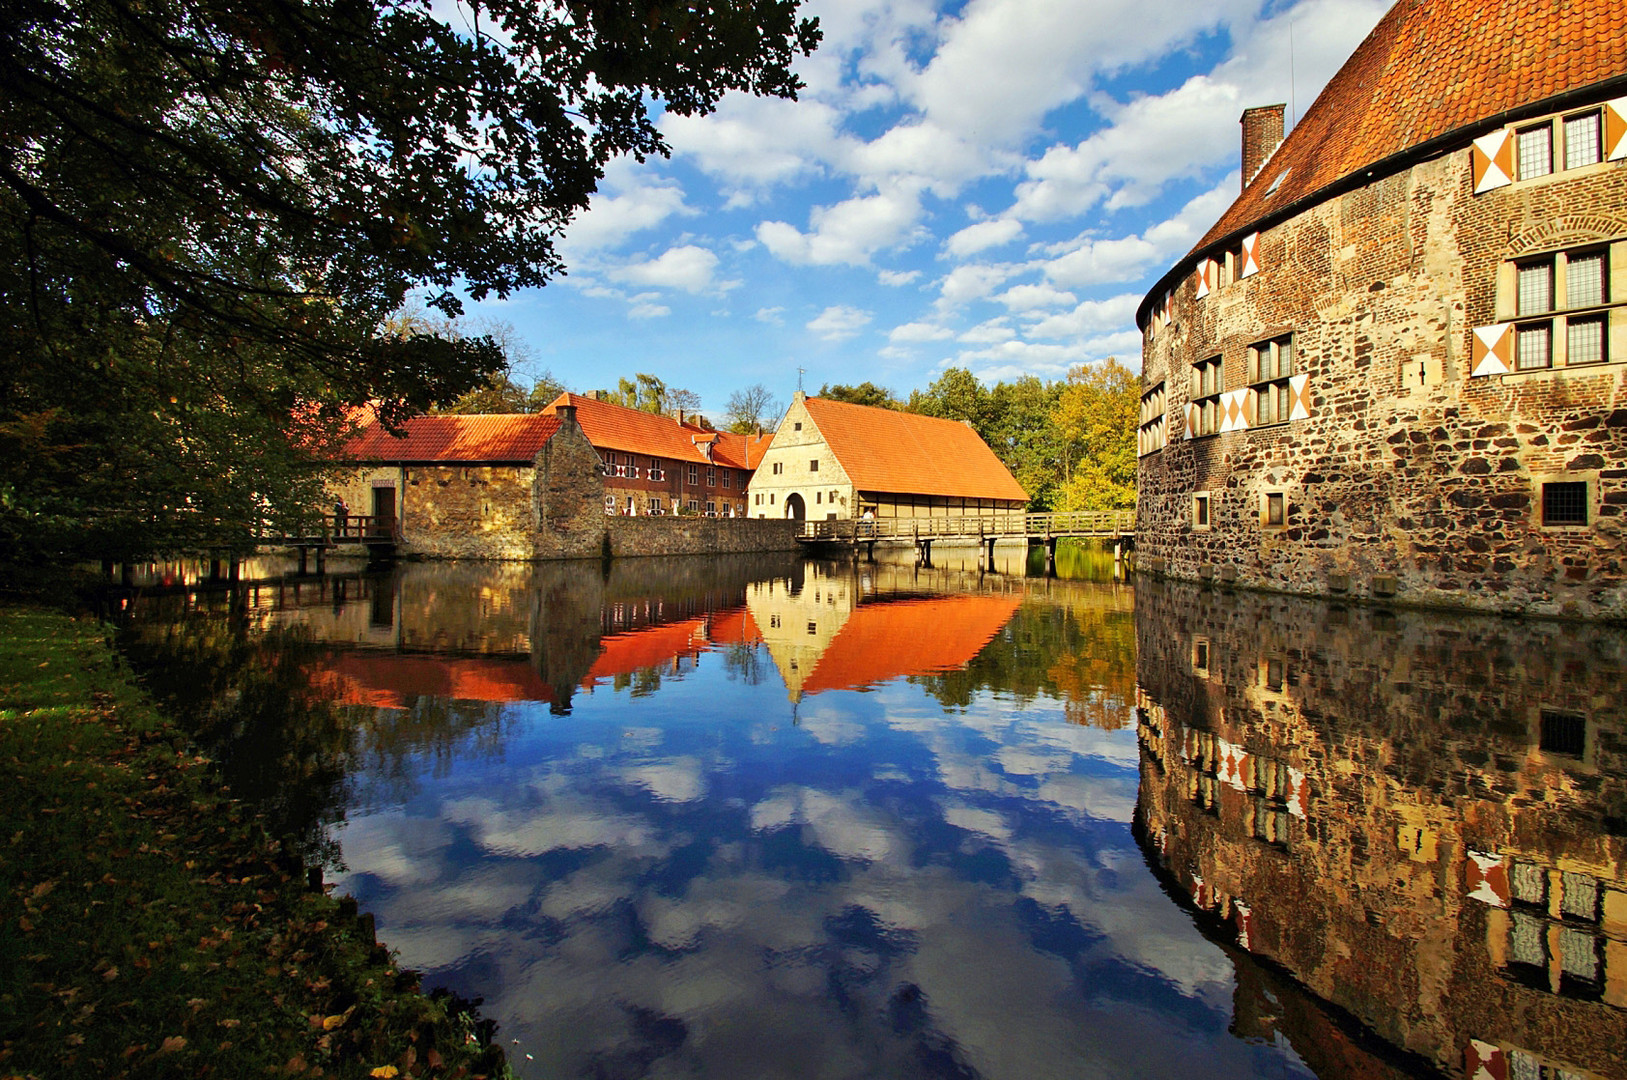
(566, 413)
(1262, 133)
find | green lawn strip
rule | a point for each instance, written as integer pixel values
(150, 927)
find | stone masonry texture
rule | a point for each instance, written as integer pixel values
(1411, 478)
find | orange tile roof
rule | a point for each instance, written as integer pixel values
(905, 453)
(647, 647)
(741, 451)
(893, 639)
(504, 438)
(1431, 70)
(390, 680)
(633, 431)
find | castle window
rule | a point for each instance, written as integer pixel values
(1564, 503)
(813, 465)
(656, 471)
(728, 479)
(1200, 510)
(655, 506)
(1561, 307)
(1563, 733)
(1274, 510)
(693, 474)
(1206, 396)
(1151, 435)
(711, 476)
(1271, 366)
(1535, 146)
(1582, 139)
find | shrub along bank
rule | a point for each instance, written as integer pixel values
(150, 926)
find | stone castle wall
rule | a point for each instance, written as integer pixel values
(550, 509)
(1410, 477)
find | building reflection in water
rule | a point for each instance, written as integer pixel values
(1421, 817)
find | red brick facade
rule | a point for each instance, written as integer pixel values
(1335, 400)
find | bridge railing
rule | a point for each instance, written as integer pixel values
(1066, 523)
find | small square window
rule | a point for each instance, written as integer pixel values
(1564, 503)
(1200, 511)
(1563, 733)
(813, 465)
(796, 426)
(1276, 508)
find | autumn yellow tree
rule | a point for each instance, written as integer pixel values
(1096, 417)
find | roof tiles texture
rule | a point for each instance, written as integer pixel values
(899, 452)
(487, 439)
(1428, 69)
(633, 431)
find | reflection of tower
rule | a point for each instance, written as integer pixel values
(834, 635)
(798, 618)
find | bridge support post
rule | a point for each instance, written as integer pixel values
(1050, 556)
(988, 551)
(321, 558)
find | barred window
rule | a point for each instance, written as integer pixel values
(1564, 503)
(1584, 279)
(1206, 396)
(1271, 363)
(1533, 346)
(1536, 151)
(1536, 288)
(1581, 140)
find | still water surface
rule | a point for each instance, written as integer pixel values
(752, 817)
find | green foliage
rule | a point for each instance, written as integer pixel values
(1070, 444)
(865, 393)
(210, 210)
(1097, 414)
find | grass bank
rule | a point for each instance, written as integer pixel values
(150, 927)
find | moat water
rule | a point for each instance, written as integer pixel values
(757, 817)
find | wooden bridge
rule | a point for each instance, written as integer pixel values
(378, 534)
(986, 529)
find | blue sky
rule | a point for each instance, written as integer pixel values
(991, 185)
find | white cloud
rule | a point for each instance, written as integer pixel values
(982, 236)
(973, 281)
(770, 315)
(628, 201)
(838, 323)
(647, 310)
(687, 267)
(989, 333)
(1035, 297)
(752, 142)
(1091, 317)
(897, 277)
(848, 232)
(918, 331)
(1091, 261)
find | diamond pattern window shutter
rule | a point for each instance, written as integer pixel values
(1206, 277)
(1236, 409)
(1251, 255)
(1615, 129)
(1491, 351)
(1191, 421)
(1492, 161)
(1299, 397)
